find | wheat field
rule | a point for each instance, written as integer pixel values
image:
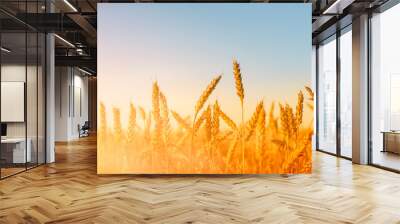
(160, 140)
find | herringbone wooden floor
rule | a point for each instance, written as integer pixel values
(69, 191)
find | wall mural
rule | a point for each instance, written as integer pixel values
(204, 89)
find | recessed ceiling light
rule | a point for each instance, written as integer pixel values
(5, 50)
(64, 40)
(338, 6)
(70, 5)
(84, 71)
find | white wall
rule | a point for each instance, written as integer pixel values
(71, 102)
(62, 81)
(80, 111)
(12, 73)
(314, 87)
(33, 127)
(50, 93)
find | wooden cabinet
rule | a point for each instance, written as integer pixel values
(391, 142)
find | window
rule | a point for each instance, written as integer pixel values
(327, 96)
(385, 89)
(22, 66)
(394, 102)
(346, 92)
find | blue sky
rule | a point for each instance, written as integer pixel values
(183, 46)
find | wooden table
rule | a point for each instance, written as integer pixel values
(391, 141)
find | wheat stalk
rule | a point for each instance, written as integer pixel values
(181, 121)
(209, 132)
(260, 134)
(227, 120)
(132, 123)
(201, 101)
(238, 80)
(284, 119)
(147, 127)
(117, 124)
(206, 93)
(240, 92)
(208, 125)
(261, 157)
(142, 113)
(147, 136)
(293, 155)
(199, 122)
(165, 118)
(291, 120)
(272, 122)
(310, 93)
(157, 137)
(299, 110)
(215, 122)
(253, 121)
(103, 122)
(143, 116)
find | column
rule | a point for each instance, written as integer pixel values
(360, 90)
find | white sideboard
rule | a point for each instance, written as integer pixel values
(18, 146)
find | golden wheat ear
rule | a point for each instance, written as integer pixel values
(284, 119)
(181, 121)
(252, 123)
(310, 93)
(142, 113)
(117, 123)
(158, 126)
(200, 103)
(208, 124)
(272, 122)
(156, 101)
(215, 120)
(291, 119)
(238, 80)
(299, 109)
(165, 118)
(103, 122)
(206, 94)
(240, 92)
(132, 123)
(228, 120)
(200, 121)
(260, 132)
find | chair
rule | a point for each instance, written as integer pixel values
(84, 130)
